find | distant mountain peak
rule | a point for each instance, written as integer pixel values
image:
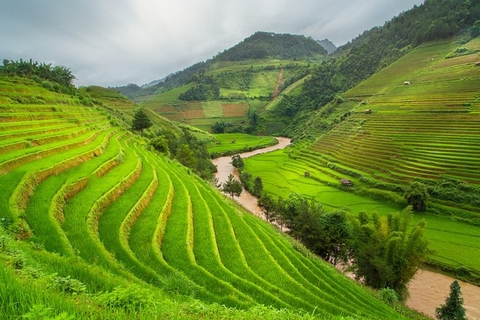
(262, 45)
(327, 45)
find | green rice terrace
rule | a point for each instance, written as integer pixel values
(239, 86)
(97, 226)
(416, 120)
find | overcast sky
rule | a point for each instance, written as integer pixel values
(116, 42)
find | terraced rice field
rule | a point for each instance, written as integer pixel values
(95, 194)
(428, 129)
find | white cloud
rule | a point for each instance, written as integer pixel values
(117, 42)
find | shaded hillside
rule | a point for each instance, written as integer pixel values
(328, 45)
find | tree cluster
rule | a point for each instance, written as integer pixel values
(263, 45)
(383, 251)
(141, 121)
(186, 148)
(232, 186)
(453, 308)
(32, 69)
(206, 88)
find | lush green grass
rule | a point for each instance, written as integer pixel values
(227, 143)
(428, 130)
(240, 82)
(102, 212)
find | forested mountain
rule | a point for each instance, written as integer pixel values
(379, 47)
(261, 45)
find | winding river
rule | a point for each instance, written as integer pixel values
(427, 289)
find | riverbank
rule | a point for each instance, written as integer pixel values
(427, 289)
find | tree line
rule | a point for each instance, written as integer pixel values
(377, 48)
(181, 145)
(384, 252)
(32, 69)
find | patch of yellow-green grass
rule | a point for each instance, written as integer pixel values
(231, 142)
(212, 109)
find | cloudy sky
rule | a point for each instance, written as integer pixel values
(116, 42)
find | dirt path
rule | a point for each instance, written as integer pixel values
(427, 289)
(280, 81)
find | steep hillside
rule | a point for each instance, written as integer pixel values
(94, 225)
(415, 120)
(229, 92)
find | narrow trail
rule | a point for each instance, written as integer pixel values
(427, 289)
(280, 81)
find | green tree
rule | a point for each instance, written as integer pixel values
(185, 155)
(141, 120)
(257, 187)
(417, 196)
(453, 308)
(385, 253)
(232, 186)
(237, 162)
(268, 206)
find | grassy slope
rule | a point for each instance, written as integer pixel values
(107, 212)
(237, 96)
(424, 130)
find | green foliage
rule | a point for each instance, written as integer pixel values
(257, 186)
(41, 312)
(175, 283)
(133, 298)
(237, 162)
(232, 186)
(68, 285)
(453, 308)
(455, 190)
(417, 196)
(205, 89)
(263, 45)
(141, 121)
(385, 253)
(56, 74)
(184, 147)
(389, 296)
(324, 233)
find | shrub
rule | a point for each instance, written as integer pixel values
(177, 284)
(69, 285)
(132, 298)
(389, 296)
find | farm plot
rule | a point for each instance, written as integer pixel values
(95, 195)
(237, 142)
(427, 129)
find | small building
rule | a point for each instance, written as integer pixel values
(407, 83)
(346, 182)
(367, 111)
(477, 64)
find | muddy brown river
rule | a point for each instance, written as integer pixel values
(427, 289)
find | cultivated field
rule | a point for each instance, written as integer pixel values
(100, 211)
(428, 129)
